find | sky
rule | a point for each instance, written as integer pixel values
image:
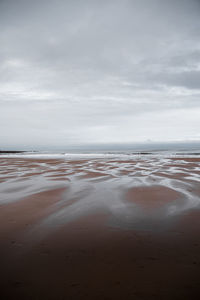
(86, 72)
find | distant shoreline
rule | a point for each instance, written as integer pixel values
(11, 152)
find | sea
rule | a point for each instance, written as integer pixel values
(118, 151)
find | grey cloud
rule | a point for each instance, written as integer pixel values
(72, 67)
(187, 79)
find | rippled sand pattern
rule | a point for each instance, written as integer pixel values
(171, 186)
(80, 212)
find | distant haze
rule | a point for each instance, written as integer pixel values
(90, 72)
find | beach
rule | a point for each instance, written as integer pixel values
(99, 227)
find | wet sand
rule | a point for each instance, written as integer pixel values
(100, 228)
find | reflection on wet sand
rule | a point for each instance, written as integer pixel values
(100, 228)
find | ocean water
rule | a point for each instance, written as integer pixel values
(115, 151)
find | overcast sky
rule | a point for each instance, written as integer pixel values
(89, 72)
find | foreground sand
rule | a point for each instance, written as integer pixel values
(100, 228)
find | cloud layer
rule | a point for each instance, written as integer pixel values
(88, 71)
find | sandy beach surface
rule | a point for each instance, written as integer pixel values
(99, 228)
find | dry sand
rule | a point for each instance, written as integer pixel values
(100, 229)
